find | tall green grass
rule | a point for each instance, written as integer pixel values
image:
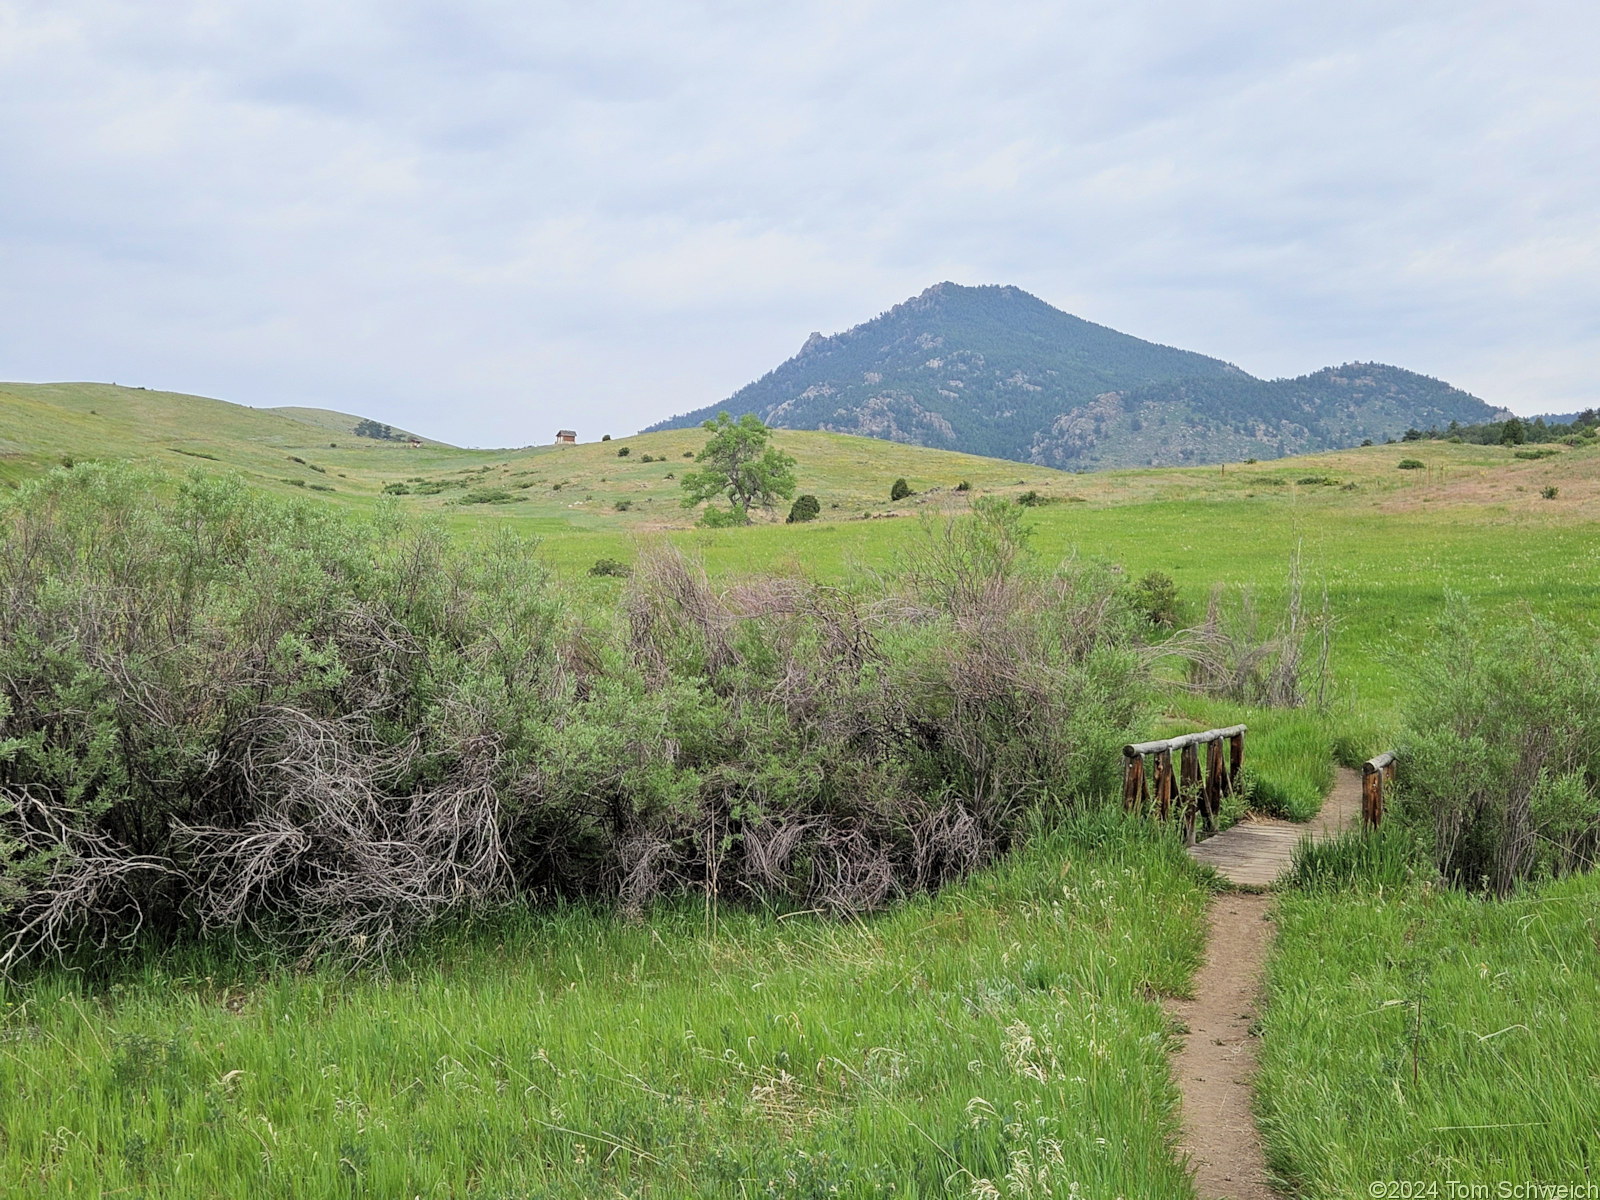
(1419, 1033)
(1390, 856)
(1004, 1027)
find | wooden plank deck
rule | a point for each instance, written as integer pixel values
(1255, 852)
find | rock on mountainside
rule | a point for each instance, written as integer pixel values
(993, 370)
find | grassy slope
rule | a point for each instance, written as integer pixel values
(550, 488)
(577, 1055)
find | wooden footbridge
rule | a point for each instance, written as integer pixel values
(1256, 851)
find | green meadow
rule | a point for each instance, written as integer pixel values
(1008, 1026)
(1413, 1032)
(1002, 1038)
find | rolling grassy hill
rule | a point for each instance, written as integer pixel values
(43, 423)
(582, 486)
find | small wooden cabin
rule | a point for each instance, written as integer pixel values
(566, 437)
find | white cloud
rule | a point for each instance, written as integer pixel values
(481, 219)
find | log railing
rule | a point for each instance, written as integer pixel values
(1375, 773)
(1192, 788)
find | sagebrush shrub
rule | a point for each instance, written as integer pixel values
(221, 711)
(224, 711)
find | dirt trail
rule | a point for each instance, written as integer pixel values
(1217, 1064)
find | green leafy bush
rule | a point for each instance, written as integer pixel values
(1411, 464)
(1501, 762)
(396, 489)
(899, 490)
(277, 718)
(724, 518)
(1156, 597)
(613, 568)
(624, 452)
(805, 508)
(1550, 491)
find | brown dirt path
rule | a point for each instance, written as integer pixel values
(1216, 1066)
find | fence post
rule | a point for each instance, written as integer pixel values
(1236, 756)
(1164, 783)
(1133, 789)
(1189, 787)
(1375, 772)
(1216, 781)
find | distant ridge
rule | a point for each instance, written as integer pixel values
(996, 371)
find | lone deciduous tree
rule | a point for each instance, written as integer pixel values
(738, 464)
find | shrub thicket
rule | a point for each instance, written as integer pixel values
(1502, 761)
(899, 490)
(220, 711)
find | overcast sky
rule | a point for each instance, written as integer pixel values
(482, 221)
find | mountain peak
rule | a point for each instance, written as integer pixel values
(994, 370)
